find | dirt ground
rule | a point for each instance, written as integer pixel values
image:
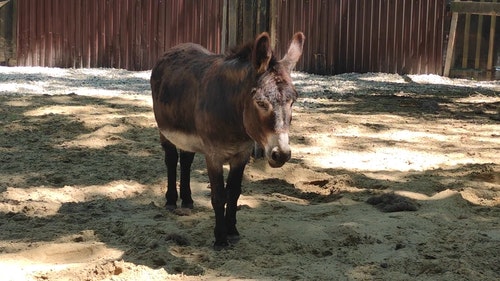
(392, 178)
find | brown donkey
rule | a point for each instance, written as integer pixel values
(219, 105)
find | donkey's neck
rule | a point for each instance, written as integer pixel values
(239, 78)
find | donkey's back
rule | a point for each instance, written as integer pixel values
(176, 83)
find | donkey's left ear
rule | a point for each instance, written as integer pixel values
(294, 51)
(262, 53)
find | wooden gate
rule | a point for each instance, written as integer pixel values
(482, 53)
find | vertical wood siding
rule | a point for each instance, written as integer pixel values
(128, 34)
(395, 36)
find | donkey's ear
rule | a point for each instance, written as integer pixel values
(294, 51)
(262, 53)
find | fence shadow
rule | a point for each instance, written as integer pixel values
(71, 142)
(364, 94)
(73, 165)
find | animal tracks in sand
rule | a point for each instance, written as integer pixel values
(82, 183)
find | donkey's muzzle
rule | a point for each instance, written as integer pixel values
(278, 150)
(279, 157)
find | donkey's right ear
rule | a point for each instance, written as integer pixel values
(262, 53)
(294, 51)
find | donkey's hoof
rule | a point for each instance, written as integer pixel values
(182, 212)
(187, 205)
(233, 238)
(170, 207)
(218, 246)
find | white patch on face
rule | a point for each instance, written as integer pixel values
(277, 140)
(184, 141)
(283, 141)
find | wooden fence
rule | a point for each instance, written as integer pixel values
(127, 34)
(478, 36)
(395, 36)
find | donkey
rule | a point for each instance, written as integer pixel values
(220, 105)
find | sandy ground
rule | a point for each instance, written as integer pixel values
(82, 184)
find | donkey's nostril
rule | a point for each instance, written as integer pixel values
(275, 154)
(280, 156)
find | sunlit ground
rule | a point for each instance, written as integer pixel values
(406, 144)
(331, 133)
(399, 142)
(84, 142)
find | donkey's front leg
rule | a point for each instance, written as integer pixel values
(218, 197)
(233, 190)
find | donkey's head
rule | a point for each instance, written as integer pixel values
(267, 117)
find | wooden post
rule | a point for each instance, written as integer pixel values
(4, 18)
(465, 53)
(224, 33)
(451, 44)
(273, 14)
(232, 20)
(250, 20)
(13, 59)
(478, 41)
(489, 64)
(8, 32)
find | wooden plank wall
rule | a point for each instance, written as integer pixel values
(395, 36)
(246, 19)
(128, 34)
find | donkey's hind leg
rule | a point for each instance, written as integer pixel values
(171, 158)
(186, 159)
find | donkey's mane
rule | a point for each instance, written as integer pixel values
(241, 52)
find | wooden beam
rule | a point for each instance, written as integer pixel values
(4, 2)
(477, 8)
(489, 64)
(451, 45)
(465, 55)
(13, 60)
(478, 41)
(232, 20)
(273, 14)
(224, 33)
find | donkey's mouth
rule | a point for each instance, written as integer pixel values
(274, 164)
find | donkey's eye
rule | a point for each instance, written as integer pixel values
(262, 104)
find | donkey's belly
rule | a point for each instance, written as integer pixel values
(186, 142)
